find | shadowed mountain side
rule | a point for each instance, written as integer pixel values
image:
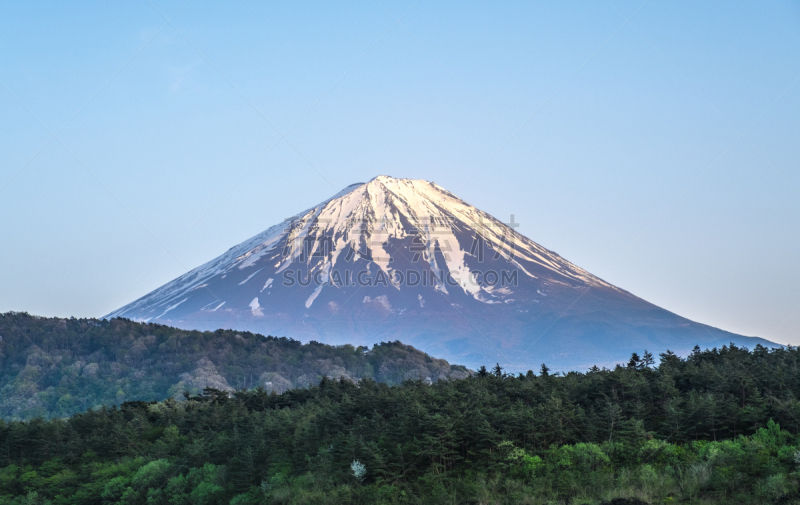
(598, 330)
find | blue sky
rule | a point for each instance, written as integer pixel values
(652, 143)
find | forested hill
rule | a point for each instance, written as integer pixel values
(54, 367)
(718, 427)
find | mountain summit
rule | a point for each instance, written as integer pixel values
(401, 259)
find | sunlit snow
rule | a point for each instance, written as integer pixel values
(255, 308)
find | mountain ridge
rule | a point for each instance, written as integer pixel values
(55, 367)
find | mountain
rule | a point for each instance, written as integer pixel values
(401, 259)
(52, 367)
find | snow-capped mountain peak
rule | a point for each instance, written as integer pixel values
(378, 223)
(391, 256)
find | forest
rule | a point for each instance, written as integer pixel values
(53, 367)
(717, 426)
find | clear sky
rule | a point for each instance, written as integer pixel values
(656, 144)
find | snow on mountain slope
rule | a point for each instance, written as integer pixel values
(406, 259)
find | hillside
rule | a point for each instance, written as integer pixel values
(719, 427)
(53, 367)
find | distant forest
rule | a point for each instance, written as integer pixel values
(51, 367)
(718, 426)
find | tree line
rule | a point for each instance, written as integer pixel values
(718, 426)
